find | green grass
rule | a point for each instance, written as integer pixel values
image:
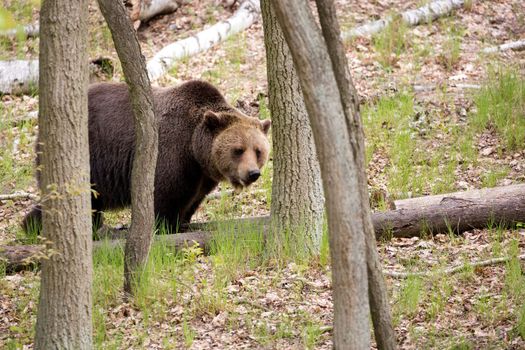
(16, 150)
(500, 105)
(410, 296)
(392, 129)
(391, 42)
(450, 54)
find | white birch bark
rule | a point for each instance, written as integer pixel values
(245, 16)
(514, 45)
(424, 14)
(153, 8)
(30, 30)
(18, 76)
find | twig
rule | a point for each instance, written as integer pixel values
(451, 270)
(252, 304)
(18, 195)
(514, 45)
(325, 329)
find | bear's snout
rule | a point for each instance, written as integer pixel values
(253, 175)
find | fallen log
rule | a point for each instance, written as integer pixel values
(30, 30)
(248, 12)
(514, 45)
(423, 14)
(21, 257)
(21, 76)
(18, 76)
(453, 212)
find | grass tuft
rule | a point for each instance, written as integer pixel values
(501, 105)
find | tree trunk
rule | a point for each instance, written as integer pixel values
(297, 197)
(146, 140)
(378, 294)
(64, 312)
(339, 171)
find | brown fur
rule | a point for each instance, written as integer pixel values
(200, 141)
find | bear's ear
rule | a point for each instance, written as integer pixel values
(266, 125)
(212, 121)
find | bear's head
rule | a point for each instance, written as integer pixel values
(239, 146)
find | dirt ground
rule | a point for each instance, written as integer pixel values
(289, 306)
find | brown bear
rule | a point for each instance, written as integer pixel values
(202, 140)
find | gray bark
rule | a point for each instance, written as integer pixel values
(456, 212)
(378, 294)
(337, 156)
(297, 206)
(146, 140)
(64, 312)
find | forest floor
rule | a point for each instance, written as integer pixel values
(440, 116)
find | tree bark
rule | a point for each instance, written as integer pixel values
(297, 205)
(456, 212)
(378, 294)
(337, 157)
(146, 140)
(64, 318)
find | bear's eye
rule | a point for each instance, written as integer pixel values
(238, 152)
(258, 153)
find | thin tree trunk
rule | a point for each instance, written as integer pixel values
(64, 312)
(146, 140)
(297, 196)
(338, 161)
(378, 294)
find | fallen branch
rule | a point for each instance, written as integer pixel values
(27, 195)
(150, 9)
(19, 195)
(245, 16)
(20, 257)
(424, 14)
(431, 87)
(453, 212)
(452, 270)
(18, 76)
(30, 30)
(514, 45)
(21, 76)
